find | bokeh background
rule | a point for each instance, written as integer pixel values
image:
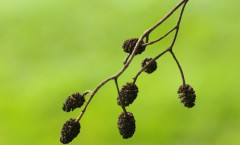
(50, 49)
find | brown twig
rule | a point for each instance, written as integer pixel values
(150, 43)
(165, 17)
(130, 57)
(126, 59)
(120, 97)
(87, 91)
(179, 66)
(92, 95)
(178, 24)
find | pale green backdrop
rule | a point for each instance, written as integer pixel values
(50, 49)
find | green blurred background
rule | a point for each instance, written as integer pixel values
(50, 49)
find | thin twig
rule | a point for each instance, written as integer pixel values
(126, 59)
(120, 97)
(165, 17)
(87, 91)
(178, 24)
(147, 38)
(174, 40)
(92, 95)
(179, 66)
(150, 43)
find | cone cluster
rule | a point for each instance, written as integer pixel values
(128, 94)
(126, 125)
(72, 102)
(187, 94)
(128, 46)
(69, 131)
(151, 67)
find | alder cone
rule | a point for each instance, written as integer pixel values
(187, 94)
(126, 125)
(69, 131)
(128, 46)
(72, 102)
(151, 67)
(128, 94)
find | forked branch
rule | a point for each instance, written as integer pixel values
(130, 57)
(128, 93)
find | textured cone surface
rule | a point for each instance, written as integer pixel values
(151, 67)
(128, 46)
(128, 94)
(72, 102)
(187, 94)
(126, 125)
(69, 131)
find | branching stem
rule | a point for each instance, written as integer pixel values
(168, 49)
(130, 57)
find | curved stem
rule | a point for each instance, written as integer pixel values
(178, 24)
(92, 95)
(150, 43)
(165, 17)
(87, 91)
(120, 97)
(126, 59)
(179, 66)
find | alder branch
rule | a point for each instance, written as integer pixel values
(129, 58)
(128, 93)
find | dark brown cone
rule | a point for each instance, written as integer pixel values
(151, 67)
(126, 125)
(128, 94)
(187, 94)
(128, 46)
(72, 102)
(69, 131)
